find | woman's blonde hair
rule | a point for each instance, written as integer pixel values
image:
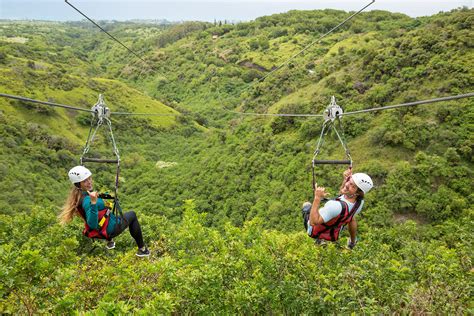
(70, 208)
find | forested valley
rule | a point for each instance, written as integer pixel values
(219, 194)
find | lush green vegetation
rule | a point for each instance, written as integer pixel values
(218, 195)
(197, 269)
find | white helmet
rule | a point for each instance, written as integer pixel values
(363, 182)
(79, 174)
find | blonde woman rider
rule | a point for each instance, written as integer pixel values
(99, 221)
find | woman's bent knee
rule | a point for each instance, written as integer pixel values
(130, 215)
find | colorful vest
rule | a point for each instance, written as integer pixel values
(330, 230)
(103, 218)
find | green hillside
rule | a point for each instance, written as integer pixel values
(46, 63)
(219, 194)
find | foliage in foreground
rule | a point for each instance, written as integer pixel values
(249, 270)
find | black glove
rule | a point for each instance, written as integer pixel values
(351, 244)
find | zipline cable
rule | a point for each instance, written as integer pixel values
(307, 47)
(250, 85)
(266, 75)
(145, 114)
(44, 102)
(103, 30)
(255, 82)
(277, 114)
(388, 107)
(15, 97)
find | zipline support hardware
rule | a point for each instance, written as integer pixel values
(332, 120)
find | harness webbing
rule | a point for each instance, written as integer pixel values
(101, 114)
(344, 217)
(332, 116)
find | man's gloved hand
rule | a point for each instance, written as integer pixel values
(350, 244)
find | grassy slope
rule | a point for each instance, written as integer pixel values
(44, 83)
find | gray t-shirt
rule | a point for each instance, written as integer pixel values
(333, 208)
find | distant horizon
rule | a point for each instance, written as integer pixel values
(206, 11)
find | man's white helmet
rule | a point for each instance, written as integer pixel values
(79, 174)
(363, 182)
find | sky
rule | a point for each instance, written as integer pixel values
(204, 10)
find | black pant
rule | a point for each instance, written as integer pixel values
(130, 220)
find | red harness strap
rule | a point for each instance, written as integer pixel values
(330, 230)
(103, 219)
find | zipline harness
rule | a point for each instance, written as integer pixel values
(101, 114)
(332, 120)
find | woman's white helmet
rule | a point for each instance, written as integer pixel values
(79, 174)
(363, 182)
